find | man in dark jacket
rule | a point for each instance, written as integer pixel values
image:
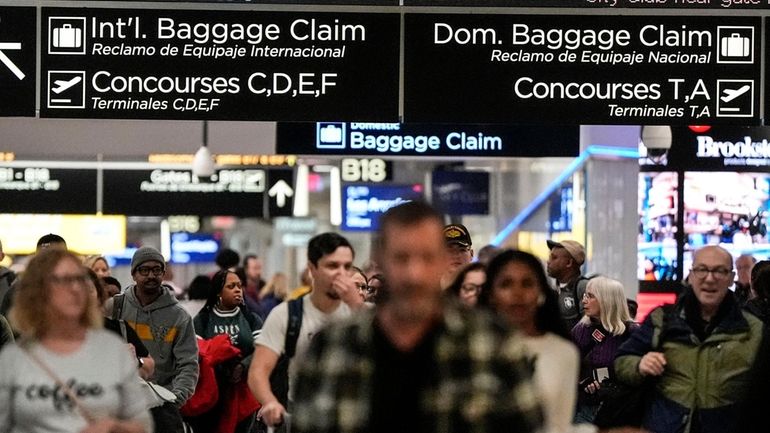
(707, 349)
(563, 265)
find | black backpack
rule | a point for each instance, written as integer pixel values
(279, 378)
(7, 277)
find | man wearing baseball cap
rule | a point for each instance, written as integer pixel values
(563, 265)
(166, 329)
(459, 244)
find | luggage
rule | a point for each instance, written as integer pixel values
(67, 37)
(735, 45)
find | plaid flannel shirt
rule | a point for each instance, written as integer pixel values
(484, 378)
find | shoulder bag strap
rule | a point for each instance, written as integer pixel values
(117, 305)
(658, 333)
(295, 322)
(63, 386)
(123, 331)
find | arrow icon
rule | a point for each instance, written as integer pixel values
(7, 62)
(280, 191)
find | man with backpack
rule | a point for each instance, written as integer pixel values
(151, 309)
(563, 265)
(290, 326)
(700, 352)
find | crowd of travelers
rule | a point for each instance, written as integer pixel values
(424, 336)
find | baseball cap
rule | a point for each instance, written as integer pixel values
(577, 251)
(457, 234)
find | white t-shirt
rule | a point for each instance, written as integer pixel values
(557, 366)
(101, 373)
(273, 334)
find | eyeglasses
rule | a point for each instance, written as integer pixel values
(587, 295)
(61, 280)
(469, 288)
(145, 271)
(719, 273)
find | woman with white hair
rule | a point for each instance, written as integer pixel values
(604, 327)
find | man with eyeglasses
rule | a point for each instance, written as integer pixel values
(700, 351)
(460, 248)
(165, 328)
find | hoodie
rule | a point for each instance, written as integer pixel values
(167, 331)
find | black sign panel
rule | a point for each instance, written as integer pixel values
(236, 65)
(161, 192)
(600, 69)
(394, 139)
(18, 38)
(304, 2)
(613, 4)
(583, 4)
(47, 190)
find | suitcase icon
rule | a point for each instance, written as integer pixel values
(735, 45)
(67, 37)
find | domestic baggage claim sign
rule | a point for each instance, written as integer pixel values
(236, 65)
(584, 69)
(398, 139)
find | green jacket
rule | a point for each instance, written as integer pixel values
(703, 379)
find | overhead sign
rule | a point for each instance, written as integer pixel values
(304, 2)
(395, 139)
(237, 192)
(362, 205)
(47, 190)
(585, 69)
(460, 192)
(613, 4)
(210, 64)
(18, 39)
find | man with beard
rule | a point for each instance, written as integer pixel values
(334, 295)
(166, 329)
(418, 362)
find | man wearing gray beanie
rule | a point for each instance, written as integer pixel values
(166, 329)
